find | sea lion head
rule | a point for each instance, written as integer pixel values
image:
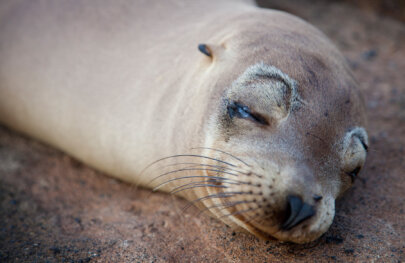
(288, 127)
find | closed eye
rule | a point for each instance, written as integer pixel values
(355, 146)
(236, 109)
(353, 174)
(364, 145)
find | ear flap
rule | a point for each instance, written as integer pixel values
(205, 49)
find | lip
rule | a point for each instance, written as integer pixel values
(281, 234)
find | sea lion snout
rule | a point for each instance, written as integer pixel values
(297, 212)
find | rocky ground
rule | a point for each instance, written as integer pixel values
(54, 209)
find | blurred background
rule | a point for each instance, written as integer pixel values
(390, 8)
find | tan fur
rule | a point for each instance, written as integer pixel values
(121, 84)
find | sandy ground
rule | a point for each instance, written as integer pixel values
(54, 209)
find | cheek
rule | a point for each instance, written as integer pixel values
(345, 184)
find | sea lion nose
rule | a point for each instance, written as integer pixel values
(297, 211)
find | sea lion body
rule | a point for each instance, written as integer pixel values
(269, 111)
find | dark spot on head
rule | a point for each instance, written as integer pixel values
(215, 181)
(205, 50)
(317, 198)
(312, 79)
(347, 101)
(312, 64)
(326, 114)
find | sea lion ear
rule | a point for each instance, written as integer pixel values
(205, 49)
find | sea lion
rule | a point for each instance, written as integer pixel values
(251, 114)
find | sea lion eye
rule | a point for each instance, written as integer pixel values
(355, 145)
(353, 174)
(236, 109)
(364, 144)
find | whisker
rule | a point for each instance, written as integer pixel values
(190, 169)
(208, 165)
(260, 217)
(185, 155)
(199, 185)
(236, 158)
(240, 212)
(254, 217)
(200, 182)
(197, 176)
(219, 195)
(224, 206)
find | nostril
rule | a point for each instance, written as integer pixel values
(317, 198)
(297, 211)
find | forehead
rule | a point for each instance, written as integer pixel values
(332, 103)
(325, 105)
(324, 80)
